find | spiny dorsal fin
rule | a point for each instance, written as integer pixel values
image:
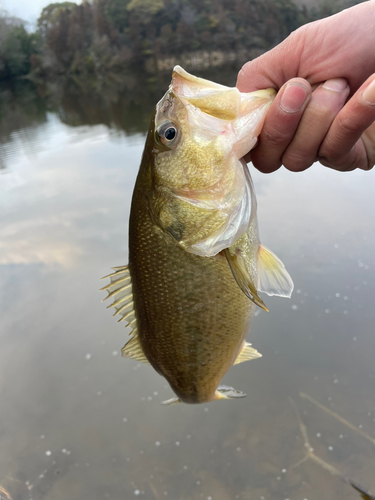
(273, 278)
(120, 288)
(241, 275)
(133, 349)
(247, 353)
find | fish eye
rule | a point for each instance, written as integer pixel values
(167, 134)
(170, 133)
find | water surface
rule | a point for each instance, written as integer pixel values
(77, 420)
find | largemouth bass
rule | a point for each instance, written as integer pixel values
(195, 261)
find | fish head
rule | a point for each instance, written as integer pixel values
(202, 190)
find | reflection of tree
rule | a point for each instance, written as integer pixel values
(22, 110)
(125, 103)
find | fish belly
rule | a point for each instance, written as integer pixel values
(192, 317)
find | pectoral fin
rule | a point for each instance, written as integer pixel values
(247, 353)
(273, 278)
(242, 277)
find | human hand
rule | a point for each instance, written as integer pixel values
(323, 64)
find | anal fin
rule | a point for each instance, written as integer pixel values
(242, 277)
(247, 353)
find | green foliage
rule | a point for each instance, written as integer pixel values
(326, 8)
(16, 50)
(146, 8)
(98, 36)
(50, 15)
(117, 13)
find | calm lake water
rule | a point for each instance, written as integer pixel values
(80, 422)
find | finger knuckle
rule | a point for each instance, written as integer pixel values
(267, 167)
(343, 163)
(331, 151)
(330, 156)
(296, 161)
(346, 125)
(336, 158)
(274, 137)
(326, 162)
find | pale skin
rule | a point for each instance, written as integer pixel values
(324, 111)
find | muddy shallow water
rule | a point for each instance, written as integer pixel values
(78, 421)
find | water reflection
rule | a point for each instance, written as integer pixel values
(124, 104)
(77, 421)
(22, 111)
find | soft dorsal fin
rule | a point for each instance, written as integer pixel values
(238, 267)
(273, 278)
(247, 353)
(120, 289)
